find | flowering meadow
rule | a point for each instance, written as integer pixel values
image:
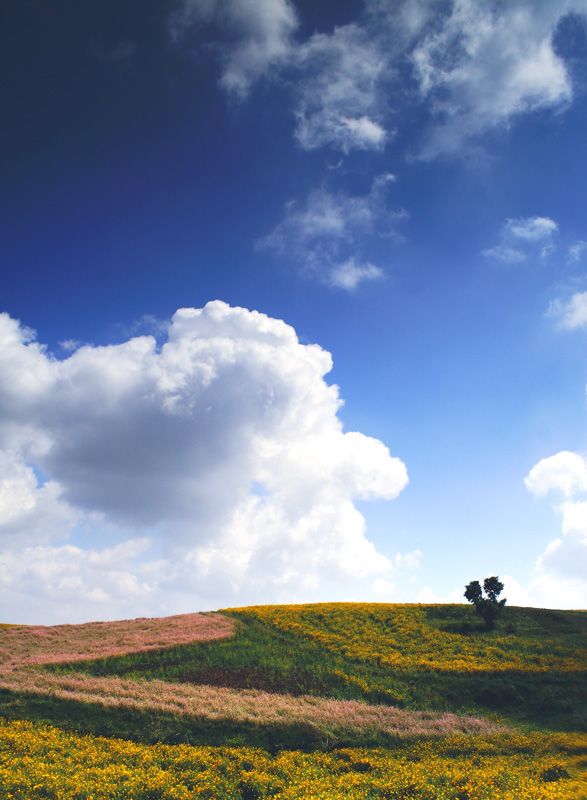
(404, 636)
(302, 702)
(39, 761)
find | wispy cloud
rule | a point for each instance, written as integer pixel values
(577, 251)
(259, 36)
(69, 345)
(530, 229)
(505, 253)
(472, 66)
(487, 63)
(339, 94)
(522, 237)
(326, 232)
(350, 274)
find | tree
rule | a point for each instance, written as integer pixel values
(485, 600)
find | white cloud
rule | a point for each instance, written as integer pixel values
(472, 65)
(544, 590)
(565, 472)
(487, 63)
(576, 251)
(505, 253)
(555, 591)
(339, 101)
(428, 595)
(530, 229)
(69, 345)
(349, 274)
(572, 314)
(220, 452)
(514, 592)
(337, 216)
(325, 232)
(261, 33)
(521, 237)
(561, 571)
(336, 75)
(30, 511)
(362, 133)
(73, 584)
(567, 555)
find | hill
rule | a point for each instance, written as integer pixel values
(420, 681)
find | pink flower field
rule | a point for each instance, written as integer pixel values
(22, 645)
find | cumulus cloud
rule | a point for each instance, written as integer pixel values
(565, 472)
(31, 511)
(561, 570)
(260, 34)
(522, 237)
(326, 231)
(216, 460)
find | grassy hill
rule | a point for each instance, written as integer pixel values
(531, 668)
(425, 682)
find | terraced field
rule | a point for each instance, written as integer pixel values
(317, 701)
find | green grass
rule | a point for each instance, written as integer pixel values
(568, 628)
(265, 657)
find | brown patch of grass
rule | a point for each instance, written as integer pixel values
(296, 682)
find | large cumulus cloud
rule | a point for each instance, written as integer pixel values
(220, 452)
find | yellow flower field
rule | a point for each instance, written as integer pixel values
(401, 636)
(40, 762)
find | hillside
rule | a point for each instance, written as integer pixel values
(420, 681)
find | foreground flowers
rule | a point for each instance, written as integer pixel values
(39, 762)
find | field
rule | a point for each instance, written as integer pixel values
(317, 701)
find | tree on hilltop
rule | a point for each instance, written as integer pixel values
(485, 599)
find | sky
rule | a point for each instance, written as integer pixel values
(294, 303)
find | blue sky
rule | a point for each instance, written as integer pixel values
(403, 185)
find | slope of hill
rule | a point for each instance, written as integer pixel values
(443, 697)
(532, 668)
